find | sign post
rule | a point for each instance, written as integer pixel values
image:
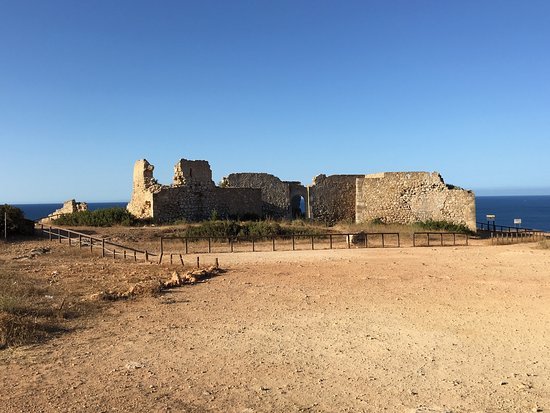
(491, 217)
(517, 222)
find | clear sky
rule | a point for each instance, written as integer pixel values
(293, 88)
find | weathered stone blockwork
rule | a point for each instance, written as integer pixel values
(280, 199)
(408, 197)
(332, 198)
(392, 197)
(193, 195)
(69, 207)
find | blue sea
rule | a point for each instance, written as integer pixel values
(37, 211)
(534, 211)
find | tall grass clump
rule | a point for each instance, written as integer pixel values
(99, 218)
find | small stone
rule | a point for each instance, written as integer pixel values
(134, 365)
(503, 383)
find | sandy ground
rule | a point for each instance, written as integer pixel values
(454, 329)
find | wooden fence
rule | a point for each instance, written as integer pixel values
(208, 245)
(106, 247)
(442, 239)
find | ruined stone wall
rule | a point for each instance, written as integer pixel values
(192, 204)
(144, 185)
(192, 197)
(188, 172)
(275, 193)
(332, 198)
(408, 197)
(238, 202)
(68, 207)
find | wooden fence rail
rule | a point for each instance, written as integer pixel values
(283, 243)
(88, 241)
(441, 237)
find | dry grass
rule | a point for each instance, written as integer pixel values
(26, 315)
(544, 244)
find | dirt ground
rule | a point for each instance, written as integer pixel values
(445, 329)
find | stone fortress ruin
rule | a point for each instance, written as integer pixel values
(389, 197)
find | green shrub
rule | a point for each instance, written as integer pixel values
(99, 218)
(15, 220)
(377, 221)
(446, 226)
(232, 229)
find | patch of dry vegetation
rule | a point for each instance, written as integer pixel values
(49, 290)
(26, 311)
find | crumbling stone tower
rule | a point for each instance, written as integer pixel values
(144, 186)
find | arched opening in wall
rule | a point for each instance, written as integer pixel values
(298, 207)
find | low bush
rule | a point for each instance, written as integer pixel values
(99, 218)
(446, 226)
(258, 229)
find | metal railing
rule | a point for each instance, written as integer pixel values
(498, 237)
(485, 226)
(442, 239)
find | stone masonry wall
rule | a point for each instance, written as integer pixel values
(191, 204)
(332, 198)
(68, 207)
(275, 193)
(408, 197)
(188, 172)
(192, 197)
(393, 197)
(144, 185)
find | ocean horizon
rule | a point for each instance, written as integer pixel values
(533, 210)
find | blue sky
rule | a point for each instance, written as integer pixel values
(293, 88)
